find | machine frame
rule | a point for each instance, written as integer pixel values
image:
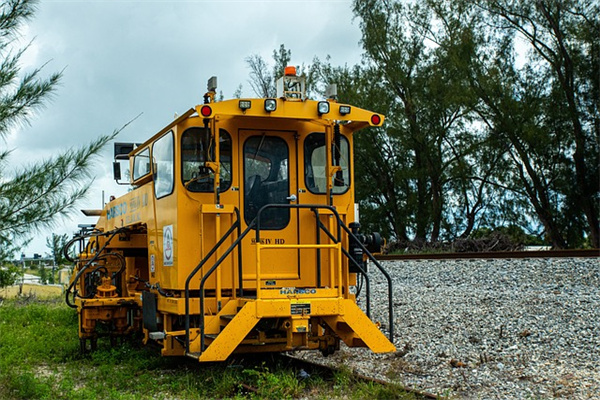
(239, 234)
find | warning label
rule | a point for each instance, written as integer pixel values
(168, 245)
(300, 308)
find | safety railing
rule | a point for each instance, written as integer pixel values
(337, 244)
(235, 226)
(363, 272)
(379, 267)
(338, 239)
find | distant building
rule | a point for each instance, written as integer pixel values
(28, 278)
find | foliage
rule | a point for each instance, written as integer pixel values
(263, 77)
(9, 274)
(422, 160)
(277, 384)
(56, 244)
(492, 117)
(478, 133)
(35, 196)
(542, 113)
(39, 359)
(262, 81)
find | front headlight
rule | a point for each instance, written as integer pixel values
(270, 105)
(245, 104)
(323, 107)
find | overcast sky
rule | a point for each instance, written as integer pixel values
(123, 58)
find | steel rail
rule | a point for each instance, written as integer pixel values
(569, 253)
(333, 368)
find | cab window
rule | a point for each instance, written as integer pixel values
(141, 164)
(162, 158)
(315, 160)
(196, 149)
(266, 180)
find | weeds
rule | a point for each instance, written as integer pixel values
(39, 359)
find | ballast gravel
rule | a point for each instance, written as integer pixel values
(487, 329)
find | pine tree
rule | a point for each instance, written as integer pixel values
(36, 196)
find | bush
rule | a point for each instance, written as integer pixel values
(503, 238)
(8, 275)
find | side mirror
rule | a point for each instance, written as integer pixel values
(117, 171)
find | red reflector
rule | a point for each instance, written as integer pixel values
(375, 119)
(205, 111)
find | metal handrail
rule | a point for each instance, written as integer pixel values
(337, 246)
(256, 224)
(195, 271)
(341, 225)
(385, 273)
(356, 264)
(208, 274)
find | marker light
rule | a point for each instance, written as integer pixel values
(345, 110)
(245, 104)
(205, 111)
(323, 107)
(375, 119)
(270, 105)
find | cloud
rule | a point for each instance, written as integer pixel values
(122, 58)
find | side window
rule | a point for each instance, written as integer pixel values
(315, 160)
(141, 164)
(162, 158)
(195, 151)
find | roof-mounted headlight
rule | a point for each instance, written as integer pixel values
(323, 107)
(345, 110)
(270, 105)
(245, 104)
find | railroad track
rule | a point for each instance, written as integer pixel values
(326, 370)
(306, 368)
(493, 254)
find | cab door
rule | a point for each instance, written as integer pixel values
(269, 176)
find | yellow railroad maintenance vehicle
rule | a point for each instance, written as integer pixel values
(239, 234)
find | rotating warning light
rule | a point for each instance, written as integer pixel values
(323, 107)
(205, 111)
(375, 119)
(289, 71)
(345, 110)
(270, 105)
(245, 104)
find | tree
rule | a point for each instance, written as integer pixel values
(56, 244)
(476, 135)
(431, 147)
(8, 275)
(539, 106)
(564, 39)
(263, 82)
(34, 197)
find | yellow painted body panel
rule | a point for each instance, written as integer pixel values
(232, 335)
(296, 280)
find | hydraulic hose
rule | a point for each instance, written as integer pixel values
(97, 256)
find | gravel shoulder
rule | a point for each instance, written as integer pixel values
(488, 329)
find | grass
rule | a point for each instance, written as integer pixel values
(29, 289)
(39, 359)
